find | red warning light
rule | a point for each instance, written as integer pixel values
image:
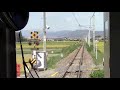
(37, 43)
(36, 36)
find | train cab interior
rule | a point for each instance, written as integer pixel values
(11, 22)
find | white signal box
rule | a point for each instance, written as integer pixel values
(41, 58)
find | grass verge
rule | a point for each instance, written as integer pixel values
(97, 74)
(65, 51)
(100, 55)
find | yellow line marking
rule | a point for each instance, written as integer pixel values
(92, 69)
(54, 74)
(95, 69)
(58, 73)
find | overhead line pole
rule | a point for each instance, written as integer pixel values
(89, 33)
(93, 29)
(94, 32)
(44, 39)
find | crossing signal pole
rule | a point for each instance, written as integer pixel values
(44, 31)
(44, 39)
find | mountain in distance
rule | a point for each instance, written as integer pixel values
(75, 34)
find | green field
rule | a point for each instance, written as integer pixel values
(101, 46)
(54, 49)
(50, 44)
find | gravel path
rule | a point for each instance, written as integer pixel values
(62, 65)
(87, 65)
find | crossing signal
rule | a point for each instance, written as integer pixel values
(37, 37)
(37, 43)
(37, 32)
(34, 35)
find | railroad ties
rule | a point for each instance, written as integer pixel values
(73, 68)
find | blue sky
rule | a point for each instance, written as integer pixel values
(63, 20)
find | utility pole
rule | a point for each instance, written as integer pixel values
(93, 29)
(94, 32)
(89, 33)
(86, 39)
(89, 38)
(96, 48)
(44, 31)
(44, 39)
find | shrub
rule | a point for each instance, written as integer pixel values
(97, 74)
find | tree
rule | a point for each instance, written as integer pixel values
(97, 37)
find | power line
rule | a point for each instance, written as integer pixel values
(93, 14)
(76, 19)
(91, 18)
(78, 22)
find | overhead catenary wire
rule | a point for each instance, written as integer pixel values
(91, 26)
(76, 19)
(78, 22)
(93, 14)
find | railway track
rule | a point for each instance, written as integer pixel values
(73, 69)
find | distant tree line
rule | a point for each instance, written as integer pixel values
(62, 39)
(100, 38)
(23, 39)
